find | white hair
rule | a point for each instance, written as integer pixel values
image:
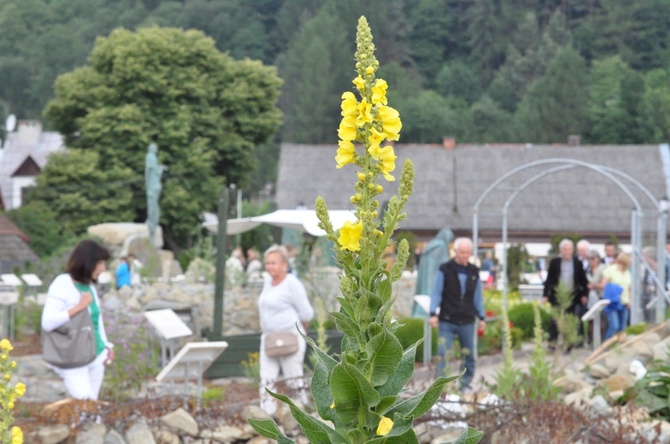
(462, 241)
(565, 242)
(583, 244)
(280, 249)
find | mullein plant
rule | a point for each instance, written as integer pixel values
(8, 395)
(358, 394)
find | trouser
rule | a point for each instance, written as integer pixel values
(291, 367)
(466, 338)
(84, 382)
(617, 321)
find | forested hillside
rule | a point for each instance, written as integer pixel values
(479, 70)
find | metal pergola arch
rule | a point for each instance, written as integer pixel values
(609, 173)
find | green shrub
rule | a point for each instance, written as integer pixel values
(636, 329)
(412, 331)
(521, 316)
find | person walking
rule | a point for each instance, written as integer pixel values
(69, 294)
(618, 274)
(458, 295)
(282, 305)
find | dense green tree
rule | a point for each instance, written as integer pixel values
(489, 123)
(205, 111)
(555, 104)
(39, 223)
(428, 118)
(616, 109)
(458, 79)
(657, 104)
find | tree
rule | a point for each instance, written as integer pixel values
(38, 222)
(205, 111)
(555, 105)
(657, 103)
(429, 118)
(489, 123)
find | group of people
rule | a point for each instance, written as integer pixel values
(589, 279)
(283, 305)
(251, 265)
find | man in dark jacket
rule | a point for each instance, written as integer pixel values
(566, 268)
(458, 295)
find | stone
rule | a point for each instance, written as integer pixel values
(260, 440)
(284, 417)
(140, 433)
(580, 398)
(181, 421)
(224, 434)
(661, 349)
(52, 434)
(114, 437)
(447, 436)
(599, 371)
(254, 412)
(92, 434)
(119, 234)
(642, 349)
(166, 437)
(600, 405)
(618, 382)
(571, 382)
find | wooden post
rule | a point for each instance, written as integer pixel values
(221, 238)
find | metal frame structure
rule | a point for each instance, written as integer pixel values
(556, 165)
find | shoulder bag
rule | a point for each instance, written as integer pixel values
(72, 344)
(280, 343)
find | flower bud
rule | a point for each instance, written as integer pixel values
(361, 176)
(374, 214)
(352, 199)
(379, 189)
(371, 186)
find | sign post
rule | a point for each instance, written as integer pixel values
(169, 327)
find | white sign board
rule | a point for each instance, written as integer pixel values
(423, 301)
(32, 280)
(167, 324)
(192, 360)
(597, 308)
(9, 297)
(11, 279)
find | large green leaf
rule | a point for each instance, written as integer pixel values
(321, 392)
(402, 375)
(321, 356)
(268, 428)
(362, 310)
(401, 433)
(314, 430)
(352, 393)
(384, 354)
(421, 403)
(346, 325)
(385, 289)
(469, 436)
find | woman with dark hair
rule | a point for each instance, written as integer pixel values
(70, 293)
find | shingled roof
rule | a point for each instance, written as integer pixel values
(14, 251)
(449, 182)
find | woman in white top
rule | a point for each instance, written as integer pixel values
(282, 305)
(70, 293)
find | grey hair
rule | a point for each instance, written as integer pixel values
(460, 241)
(584, 242)
(277, 249)
(565, 242)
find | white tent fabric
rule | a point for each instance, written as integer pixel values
(303, 220)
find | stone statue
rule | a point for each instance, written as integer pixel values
(434, 254)
(153, 172)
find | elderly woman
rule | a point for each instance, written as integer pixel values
(619, 274)
(282, 305)
(69, 294)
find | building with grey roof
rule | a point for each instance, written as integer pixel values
(451, 178)
(23, 156)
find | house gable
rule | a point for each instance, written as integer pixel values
(28, 168)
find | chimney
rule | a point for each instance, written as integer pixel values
(29, 131)
(448, 142)
(574, 140)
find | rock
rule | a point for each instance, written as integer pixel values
(571, 382)
(92, 434)
(224, 434)
(661, 349)
(113, 303)
(600, 405)
(580, 398)
(618, 382)
(447, 436)
(285, 419)
(140, 433)
(166, 437)
(254, 412)
(118, 234)
(114, 437)
(181, 421)
(52, 434)
(643, 348)
(260, 440)
(599, 371)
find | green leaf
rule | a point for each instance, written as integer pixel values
(384, 353)
(385, 289)
(421, 403)
(314, 430)
(402, 375)
(321, 356)
(385, 403)
(401, 433)
(346, 325)
(265, 427)
(362, 310)
(353, 394)
(321, 392)
(469, 436)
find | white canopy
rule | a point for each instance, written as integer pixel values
(303, 220)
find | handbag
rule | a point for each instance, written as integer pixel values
(612, 292)
(280, 343)
(72, 344)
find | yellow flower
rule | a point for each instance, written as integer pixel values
(370, 70)
(20, 389)
(359, 83)
(5, 345)
(10, 405)
(390, 122)
(350, 236)
(345, 153)
(387, 162)
(375, 139)
(3, 357)
(347, 129)
(364, 113)
(379, 92)
(17, 435)
(7, 376)
(332, 406)
(385, 426)
(13, 364)
(349, 104)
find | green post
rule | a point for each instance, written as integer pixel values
(221, 238)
